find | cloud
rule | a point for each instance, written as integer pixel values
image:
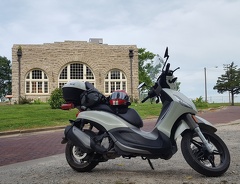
(198, 33)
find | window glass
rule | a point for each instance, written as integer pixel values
(63, 74)
(115, 80)
(89, 74)
(115, 74)
(75, 71)
(36, 74)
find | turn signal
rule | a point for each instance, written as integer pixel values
(194, 118)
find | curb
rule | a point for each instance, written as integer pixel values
(235, 122)
(14, 132)
(31, 130)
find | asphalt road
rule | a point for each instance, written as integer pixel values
(54, 169)
(28, 146)
(38, 158)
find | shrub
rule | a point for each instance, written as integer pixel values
(24, 100)
(56, 99)
(37, 101)
(136, 100)
(199, 102)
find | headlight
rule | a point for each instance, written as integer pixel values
(183, 103)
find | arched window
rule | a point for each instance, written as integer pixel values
(75, 71)
(115, 80)
(36, 82)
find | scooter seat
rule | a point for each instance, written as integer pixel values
(129, 115)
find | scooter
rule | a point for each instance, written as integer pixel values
(106, 128)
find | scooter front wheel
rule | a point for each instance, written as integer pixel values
(196, 155)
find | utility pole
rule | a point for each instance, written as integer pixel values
(205, 77)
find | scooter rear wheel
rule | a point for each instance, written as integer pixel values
(79, 160)
(206, 163)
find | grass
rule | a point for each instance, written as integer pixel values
(147, 110)
(20, 117)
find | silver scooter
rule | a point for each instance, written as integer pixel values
(104, 131)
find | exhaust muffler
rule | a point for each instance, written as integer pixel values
(82, 140)
(78, 138)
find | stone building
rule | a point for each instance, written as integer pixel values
(41, 68)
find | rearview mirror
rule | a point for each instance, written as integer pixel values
(141, 85)
(166, 53)
(165, 56)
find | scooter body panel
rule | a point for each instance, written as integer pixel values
(179, 106)
(130, 140)
(107, 120)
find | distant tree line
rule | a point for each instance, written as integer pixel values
(5, 77)
(229, 81)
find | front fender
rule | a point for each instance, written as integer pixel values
(205, 125)
(202, 123)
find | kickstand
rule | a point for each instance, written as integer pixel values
(150, 163)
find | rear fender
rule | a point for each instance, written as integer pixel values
(184, 124)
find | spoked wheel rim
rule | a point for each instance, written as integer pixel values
(213, 163)
(203, 156)
(79, 156)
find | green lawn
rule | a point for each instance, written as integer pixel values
(19, 117)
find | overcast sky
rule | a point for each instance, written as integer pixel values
(199, 34)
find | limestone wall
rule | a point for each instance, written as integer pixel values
(52, 57)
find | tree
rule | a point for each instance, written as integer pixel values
(178, 85)
(148, 68)
(230, 81)
(5, 77)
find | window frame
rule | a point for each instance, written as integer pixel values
(115, 80)
(36, 83)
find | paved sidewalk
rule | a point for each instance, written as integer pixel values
(223, 115)
(28, 146)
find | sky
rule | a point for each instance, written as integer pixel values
(199, 34)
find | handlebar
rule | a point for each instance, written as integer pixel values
(167, 68)
(163, 80)
(145, 99)
(151, 93)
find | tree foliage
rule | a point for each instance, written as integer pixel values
(230, 81)
(5, 77)
(178, 85)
